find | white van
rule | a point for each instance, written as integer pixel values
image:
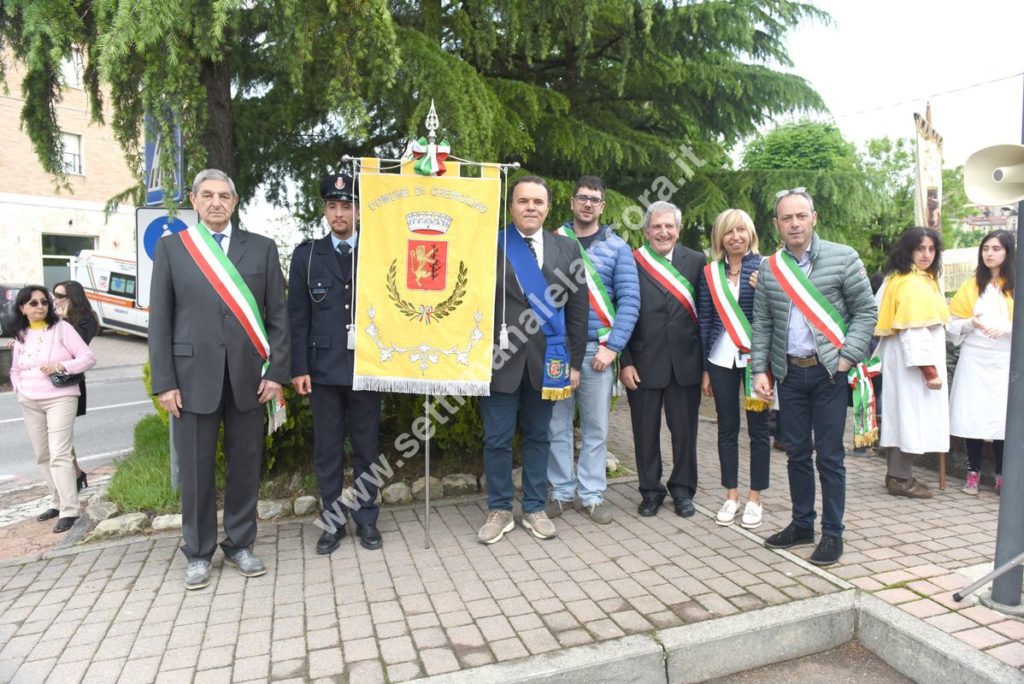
(109, 281)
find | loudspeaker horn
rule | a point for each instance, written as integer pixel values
(994, 176)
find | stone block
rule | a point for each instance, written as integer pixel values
(167, 522)
(98, 511)
(459, 484)
(397, 493)
(269, 509)
(304, 505)
(129, 523)
(419, 489)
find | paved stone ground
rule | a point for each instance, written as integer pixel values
(118, 612)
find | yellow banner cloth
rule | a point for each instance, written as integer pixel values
(424, 315)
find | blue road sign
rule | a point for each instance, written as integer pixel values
(164, 225)
(155, 147)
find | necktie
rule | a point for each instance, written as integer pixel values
(533, 250)
(219, 237)
(344, 259)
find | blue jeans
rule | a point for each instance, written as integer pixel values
(594, 396)
(811, 401)
(499, 412)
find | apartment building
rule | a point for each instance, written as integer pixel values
(41, 226)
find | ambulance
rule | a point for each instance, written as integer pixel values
(109, 282)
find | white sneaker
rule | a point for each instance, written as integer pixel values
(727, 513)
(751, 515)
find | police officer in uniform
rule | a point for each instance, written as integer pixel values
(321, 287)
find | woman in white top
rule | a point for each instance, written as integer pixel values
(982, 323)
(726, 311)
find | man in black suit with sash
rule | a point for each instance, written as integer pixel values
(662, 364)
(321, 287)
(218, 349)
(540, 333)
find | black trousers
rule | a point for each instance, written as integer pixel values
(195, 442)
(334, 406)
(726, 384)
(681, 404)
(974, 447)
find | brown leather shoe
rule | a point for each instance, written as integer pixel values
(910, 488)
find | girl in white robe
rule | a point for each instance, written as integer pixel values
(982, 322)
(912, 347)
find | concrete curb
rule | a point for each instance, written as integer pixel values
(115, 373)
(923, 652)
(637, 658)
(720, 647)
(739, 643)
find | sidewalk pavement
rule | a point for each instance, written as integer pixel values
(118, 611)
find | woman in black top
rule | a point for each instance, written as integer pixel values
(71, 305)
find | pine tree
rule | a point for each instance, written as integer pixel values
(276, 91)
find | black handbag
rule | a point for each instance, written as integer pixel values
(66, 379)
(63, 379)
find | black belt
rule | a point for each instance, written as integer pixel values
(802, 361)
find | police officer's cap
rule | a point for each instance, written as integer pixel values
(338, 186)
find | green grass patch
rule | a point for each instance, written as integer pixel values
(142, 481)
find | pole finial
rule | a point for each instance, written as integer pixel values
(432, 122)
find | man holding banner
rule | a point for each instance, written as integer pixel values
(814, 315)
(541, 330)
(614, 295)
(219, 351)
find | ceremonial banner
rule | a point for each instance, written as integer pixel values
(424, 316)
(928, 181)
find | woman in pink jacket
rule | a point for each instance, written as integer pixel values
(45, 348)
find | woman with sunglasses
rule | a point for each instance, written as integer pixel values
(70, 304)
(44, 346)
(982, 325)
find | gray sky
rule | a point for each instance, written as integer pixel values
(880, 61)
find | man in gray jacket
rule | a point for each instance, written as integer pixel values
(813, 319)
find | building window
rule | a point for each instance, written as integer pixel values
(57, 253)
(72, 145)
(71, 69)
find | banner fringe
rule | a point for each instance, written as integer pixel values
(755, 405)
(556, 394)
(866, 439)
(466, 388)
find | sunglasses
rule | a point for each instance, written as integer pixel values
(38, 302)
(795, 191)
(59, 295)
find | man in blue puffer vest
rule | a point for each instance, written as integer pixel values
(614, 294)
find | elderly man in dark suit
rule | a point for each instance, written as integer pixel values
(219, 351)
(321, 295)
(540, 335)
(662, 364)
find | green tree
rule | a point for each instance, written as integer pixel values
(276, 91)
(804, 146)
(807, 154)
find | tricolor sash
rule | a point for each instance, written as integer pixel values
(736, 325)
(228, 283)
(600, 303)
(865, 420)
(662, 270)
(551, 318)
(818, 311)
